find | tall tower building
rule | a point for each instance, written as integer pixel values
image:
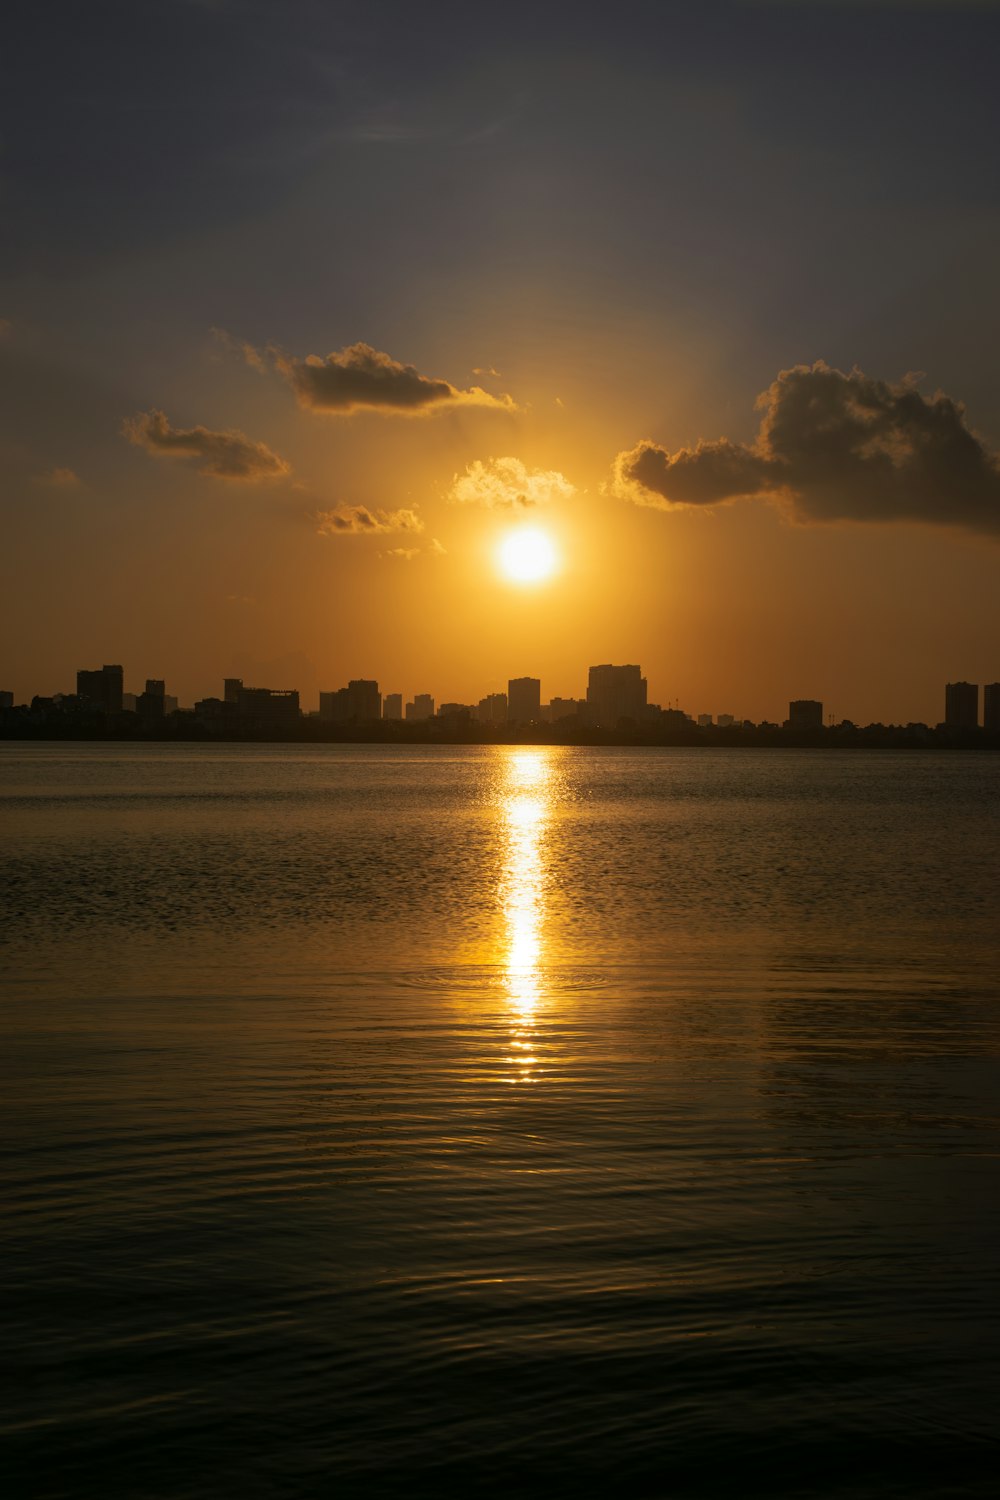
(805, 713)
(991, 707)
(615, 693)
(524, 700)
(422, 707)
(103, 689)
(392, 706)
(492, 709)
(961, 705)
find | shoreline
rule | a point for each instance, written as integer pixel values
(871, 737)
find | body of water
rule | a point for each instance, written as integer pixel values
(499, 1121)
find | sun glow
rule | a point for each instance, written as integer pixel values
(527, 555)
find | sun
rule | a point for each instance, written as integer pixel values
(527, 555)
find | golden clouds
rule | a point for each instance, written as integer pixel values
(507, 484)
(360, 378)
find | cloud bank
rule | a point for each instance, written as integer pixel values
(835, 447)
(360, 378)
(224, 455)
(506, 483)
(358, 520)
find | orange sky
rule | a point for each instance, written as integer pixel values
(557, 252)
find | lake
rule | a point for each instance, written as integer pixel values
(474, 1121)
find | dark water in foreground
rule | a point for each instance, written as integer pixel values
(394, 1122)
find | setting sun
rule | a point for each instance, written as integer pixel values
(527, 555)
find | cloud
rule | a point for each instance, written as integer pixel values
(59, 479)
(224, 455)
(360, 378)
(241, 349)
(835, 447)
(358, 520)
(506, 483)
(407, 554)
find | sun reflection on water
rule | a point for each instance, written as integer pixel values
(525, 806)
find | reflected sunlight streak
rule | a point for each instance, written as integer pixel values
(525, 808)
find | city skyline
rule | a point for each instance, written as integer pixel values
(616, 696)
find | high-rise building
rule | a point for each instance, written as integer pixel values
(6, 700)
(961, 705)
(615, 693)
(558, 709)
(261, 709)
(804, 713)
(704, 721)
(524, 700)
(152, 704)
(492, 709)
(360, 702)
(991, 707)
(422, 707)
(231, 689)
(102, 689)
(392, 706)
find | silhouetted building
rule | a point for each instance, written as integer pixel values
(991, 707)
(102, 689)
(6, 700)
(360, 702)
(455, 711)
(392, 706)
(704, 721)
(129, 702)
(961, 705)
(559, 709)
(615, 693)
(804, 713)
(151, 704)
(524, 700)
(263, 709)
(212, 713)
(422, 707)
(492, 709)
(231, 689)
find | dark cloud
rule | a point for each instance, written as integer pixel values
(360, 378)
(358, 520)
(835, 447)
(225, 455)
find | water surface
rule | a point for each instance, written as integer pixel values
(405, 1121)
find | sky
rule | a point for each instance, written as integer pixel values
(305, 307)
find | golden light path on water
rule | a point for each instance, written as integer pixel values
(526, 805)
